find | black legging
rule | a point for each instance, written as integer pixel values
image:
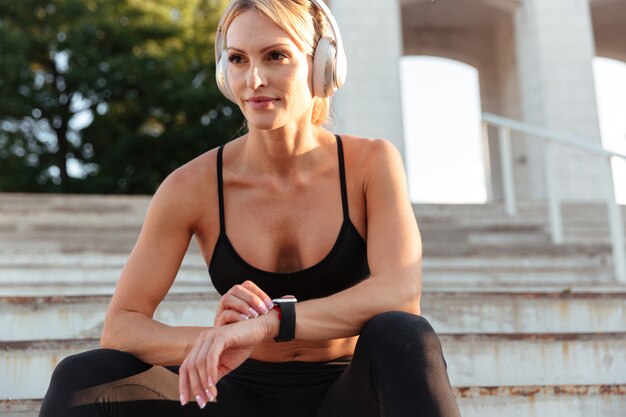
(398, 370)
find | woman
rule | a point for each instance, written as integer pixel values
(353, 344)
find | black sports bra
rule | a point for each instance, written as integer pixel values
(344, 266)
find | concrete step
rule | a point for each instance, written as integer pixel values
(474, 401)
(19, 408)
(77, 210)
(34, 204)
(193, 260)
(54, 289)
(64, 235)
(30, 317)
(480, 359)
(104, 268)
(26, 204)
(18, 289)
(437, 240)
(541, 400)
(527, 209)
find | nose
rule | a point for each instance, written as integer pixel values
(255, 78)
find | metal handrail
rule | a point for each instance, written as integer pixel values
(616, 225)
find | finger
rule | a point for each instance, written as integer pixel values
(195, 383)
(212, 362)
(231, 316)
(251, 286)
(255, 303)
(230, 303)
(208, 386)
(233, 301)
(183, 382)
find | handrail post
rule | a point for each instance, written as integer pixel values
(616, 227)
(616, 223)
(487, 161)
(504, 136)
(554, 204)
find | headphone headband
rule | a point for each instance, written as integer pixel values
(333, 25)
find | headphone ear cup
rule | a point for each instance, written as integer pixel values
(221, 77)
(324, 68)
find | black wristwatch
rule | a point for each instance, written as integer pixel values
(286, 308)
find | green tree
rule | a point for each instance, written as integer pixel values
(120, 91)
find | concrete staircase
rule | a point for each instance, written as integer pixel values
(527, 328)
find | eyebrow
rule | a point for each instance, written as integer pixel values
(262, 50)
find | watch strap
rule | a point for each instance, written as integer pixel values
(287, 317)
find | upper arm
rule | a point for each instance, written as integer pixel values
(393, 240)
(158, 253)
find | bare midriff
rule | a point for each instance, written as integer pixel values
(304, 350)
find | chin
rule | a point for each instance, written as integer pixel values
(267, 124)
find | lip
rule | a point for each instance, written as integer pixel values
(260, 99)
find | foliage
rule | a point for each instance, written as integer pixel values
(107, 96)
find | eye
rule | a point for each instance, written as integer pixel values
(278, 55)
(234, 59)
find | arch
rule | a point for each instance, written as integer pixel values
(610, 83)
(441, 108)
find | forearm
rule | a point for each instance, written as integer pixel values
(344, 314)
(151, 341)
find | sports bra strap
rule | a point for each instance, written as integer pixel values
(220, 189)
(342, 178)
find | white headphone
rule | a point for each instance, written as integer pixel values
(330, 65)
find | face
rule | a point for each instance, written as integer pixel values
(268, 74)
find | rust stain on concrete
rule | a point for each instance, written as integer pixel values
(542, 337)
(38, 301)
(531, 391)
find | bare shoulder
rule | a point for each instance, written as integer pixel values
(187, 189)
(371, 155)
(193, 173)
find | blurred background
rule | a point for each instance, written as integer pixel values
(107, 97)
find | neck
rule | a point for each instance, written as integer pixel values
(282, 154)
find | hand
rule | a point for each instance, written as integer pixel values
(242, 302)
(218, 351)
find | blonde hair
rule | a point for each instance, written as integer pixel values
(300, 19)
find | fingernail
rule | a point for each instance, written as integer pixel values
(253, 312)
(268, 303)
(182, 400)
(210, 382)
(243, 316)
(263, 308)
(209, 396)
(200, 401)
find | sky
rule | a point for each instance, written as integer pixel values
(443, 145)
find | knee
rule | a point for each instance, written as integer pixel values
(83, 369)
(68, 371)
(399, 336)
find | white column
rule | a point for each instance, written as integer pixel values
(555, 49)
(370, 103)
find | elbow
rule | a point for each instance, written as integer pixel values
(412, 303)
(413, 294)
(414, 306)
(108, 338)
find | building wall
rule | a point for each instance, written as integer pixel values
(534, 59)
(370, 103)
(555, 51)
